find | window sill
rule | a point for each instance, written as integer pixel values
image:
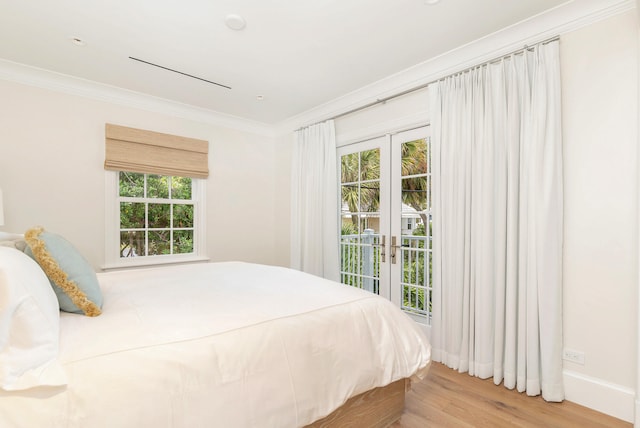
(152, 262)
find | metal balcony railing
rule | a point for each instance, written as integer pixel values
(360, 267)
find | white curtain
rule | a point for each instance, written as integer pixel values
(497, 164)
(314, 202)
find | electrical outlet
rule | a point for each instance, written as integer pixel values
(573, 356)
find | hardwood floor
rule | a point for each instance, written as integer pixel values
(447, 398)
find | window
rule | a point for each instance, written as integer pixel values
(156, 215)
(155, 187)
(158, 219)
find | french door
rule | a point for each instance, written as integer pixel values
(385, 219)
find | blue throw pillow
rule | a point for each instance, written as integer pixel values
(72, 277)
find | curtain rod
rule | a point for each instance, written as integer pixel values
(424, 85)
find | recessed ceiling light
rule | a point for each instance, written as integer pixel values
(431, 2)
(235, 22)
(77, 41)
(260, 97)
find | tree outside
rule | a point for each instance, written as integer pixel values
(155, 214)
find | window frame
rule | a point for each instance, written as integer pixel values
(112, 228)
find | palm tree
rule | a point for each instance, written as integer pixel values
(355, 168)
(365, 165)
(414, 189)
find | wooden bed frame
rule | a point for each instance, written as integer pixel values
(376, 408)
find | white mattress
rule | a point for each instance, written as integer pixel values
(220, 345)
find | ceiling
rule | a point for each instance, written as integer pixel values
(296, 54)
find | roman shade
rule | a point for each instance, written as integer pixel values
(138, 150)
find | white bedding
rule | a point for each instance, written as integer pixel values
(220, 345)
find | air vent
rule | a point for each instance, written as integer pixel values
(179, 72)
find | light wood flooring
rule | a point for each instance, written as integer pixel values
(447, 398)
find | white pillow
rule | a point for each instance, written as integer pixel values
(6, 236)
(29, 325)
(12, 240)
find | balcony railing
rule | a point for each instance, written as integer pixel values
(360, 260)
(360, 267)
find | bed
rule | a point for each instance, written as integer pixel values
(221, 345)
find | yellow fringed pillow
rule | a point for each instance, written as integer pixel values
(72, 277)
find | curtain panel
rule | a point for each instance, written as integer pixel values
(497, 163)
(314, 202)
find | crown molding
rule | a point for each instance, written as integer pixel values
(45, 79)
(562, 19)
(565, 18)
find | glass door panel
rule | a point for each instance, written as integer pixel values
(363, 216)
(385, 218)
(411, 274)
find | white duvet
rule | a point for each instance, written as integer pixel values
(220, 345)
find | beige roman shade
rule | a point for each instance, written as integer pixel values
(137, 150)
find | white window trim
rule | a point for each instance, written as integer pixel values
(112, 229)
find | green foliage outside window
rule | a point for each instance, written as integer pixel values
(155, 217)
(415, 261)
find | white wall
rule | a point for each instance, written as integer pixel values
(637, 392)
(400, 113)
(283, 198)
(51, 172)
(600, 118)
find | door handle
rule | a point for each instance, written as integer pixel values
(394, 247)
(383, 248)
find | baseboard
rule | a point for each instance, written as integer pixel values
(605, 397)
